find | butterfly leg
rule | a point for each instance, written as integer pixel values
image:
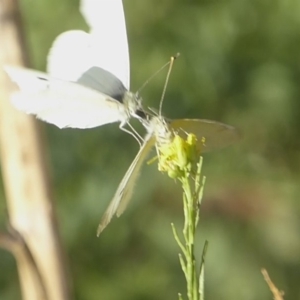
(133, 133)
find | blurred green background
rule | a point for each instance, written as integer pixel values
(239, 64)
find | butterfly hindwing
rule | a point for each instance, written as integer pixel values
(63, 103)
(211, 135)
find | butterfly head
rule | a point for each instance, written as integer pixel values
(133, 104)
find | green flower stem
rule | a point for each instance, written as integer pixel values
(201, 272)
(189, 233)
(192, 196)
(178, 239)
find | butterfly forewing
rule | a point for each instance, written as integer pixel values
(62, 103)
(125, 189)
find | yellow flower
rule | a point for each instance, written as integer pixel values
(178, 157)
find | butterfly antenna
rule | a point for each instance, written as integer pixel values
(159, 70)
(167, 80)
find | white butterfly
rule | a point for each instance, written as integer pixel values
(88, 79)
(160, 131)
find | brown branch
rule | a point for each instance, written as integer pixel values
(277, 294)
(14, 243)
(26, 180)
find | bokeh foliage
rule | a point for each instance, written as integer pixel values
(239, 64)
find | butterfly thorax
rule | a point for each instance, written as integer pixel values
(161, 130)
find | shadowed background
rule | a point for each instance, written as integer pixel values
(239, 64)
